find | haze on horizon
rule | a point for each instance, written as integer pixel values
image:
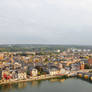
(46, 22)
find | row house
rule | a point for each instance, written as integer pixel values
(32, 71)
(0, 74)
(54, 70)
(22, 74)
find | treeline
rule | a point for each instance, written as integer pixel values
(31, 47)
(15, 49)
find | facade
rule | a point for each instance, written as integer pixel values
(22, 75)
(0, 74)
(14, 74)
(54, 71)
(5, 74)
(90, 62)
(34, 72)
(82, 66)
(60, 66)
(62, 71)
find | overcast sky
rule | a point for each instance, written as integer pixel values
(46, 21)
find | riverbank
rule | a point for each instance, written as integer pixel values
(30, 79)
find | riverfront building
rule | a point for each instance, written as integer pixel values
(19, 66)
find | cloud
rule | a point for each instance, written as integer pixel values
(46, 21)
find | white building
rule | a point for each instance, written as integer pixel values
(54, 71)
(34, 72)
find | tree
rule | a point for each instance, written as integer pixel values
(87, 66)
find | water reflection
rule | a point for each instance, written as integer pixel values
(23, 85)
(8, 87)
(35, 83)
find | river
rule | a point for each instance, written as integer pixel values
(52, 85)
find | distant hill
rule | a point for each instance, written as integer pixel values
(38, 47)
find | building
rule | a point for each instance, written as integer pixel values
(22, 75)
(62, 71)
(90, 61)
(34, 72)
(0, 74)
(54, 70)
(82, 66)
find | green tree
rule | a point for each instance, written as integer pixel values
(87, 66)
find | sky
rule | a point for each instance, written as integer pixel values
(46, 22)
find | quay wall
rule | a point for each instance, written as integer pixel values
(28, 79)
